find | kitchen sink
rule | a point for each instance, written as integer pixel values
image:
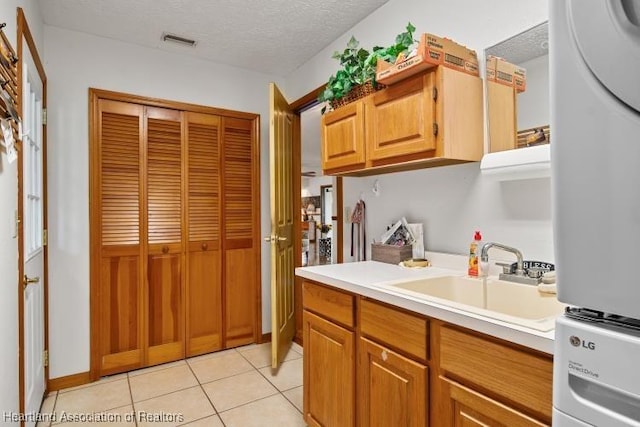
(511, 302)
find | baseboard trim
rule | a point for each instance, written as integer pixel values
(265, 338)
(74, 380)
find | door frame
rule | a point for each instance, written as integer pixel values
(25, 32)
(94, 262)
(300, 105)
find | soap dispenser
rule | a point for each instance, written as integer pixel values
(474, 254)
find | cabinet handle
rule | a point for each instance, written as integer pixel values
(165, 249)
(205, 246)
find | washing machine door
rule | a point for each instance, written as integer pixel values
(608, 35)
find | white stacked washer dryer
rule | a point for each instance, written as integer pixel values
(595, 156)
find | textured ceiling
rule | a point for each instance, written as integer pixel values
(270, 36)
(525, 46)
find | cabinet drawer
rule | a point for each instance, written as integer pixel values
(516, 375)
(398, 329)
(328, 302)
(471, 408)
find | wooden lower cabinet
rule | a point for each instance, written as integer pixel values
(392, 390)
(368, 363)
(473, 409)
(329, 373)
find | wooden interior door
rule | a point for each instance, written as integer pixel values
(165, 290)
(241, 254)
(282, 262)
(117, 184)
(204, 274)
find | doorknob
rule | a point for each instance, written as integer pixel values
(27, 280)
(275, 239)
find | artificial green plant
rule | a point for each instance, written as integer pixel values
(359, 65)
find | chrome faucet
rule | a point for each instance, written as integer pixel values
(516, 276)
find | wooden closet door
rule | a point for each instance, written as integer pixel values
(117, 185)
(204, 292)
(241, 262)
(165, 302)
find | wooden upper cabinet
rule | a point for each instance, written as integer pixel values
(117, 183)
(431, 119)
(204, 291)
(400, 120)
(502, 115)
(165, 235)
(343, 144)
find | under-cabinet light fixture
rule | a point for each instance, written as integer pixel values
(178, 39)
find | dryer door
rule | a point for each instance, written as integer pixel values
(608, 35)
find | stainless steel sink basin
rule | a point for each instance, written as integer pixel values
(510, 302)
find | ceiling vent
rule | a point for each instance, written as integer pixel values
(178, 39)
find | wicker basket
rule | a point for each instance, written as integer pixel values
(356, 92)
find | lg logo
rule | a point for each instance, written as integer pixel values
(577, 342)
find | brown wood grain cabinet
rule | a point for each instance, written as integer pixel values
(432, 119)
(174, 233)
(411, 370)
(343, 146)
(392, 389)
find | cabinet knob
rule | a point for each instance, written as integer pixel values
(165, 249)
(205, 246)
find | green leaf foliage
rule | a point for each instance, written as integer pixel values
(359, 64)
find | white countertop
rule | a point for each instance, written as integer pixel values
(371, 279)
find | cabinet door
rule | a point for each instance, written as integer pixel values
(400, 119)
(392, 389)
(240, 224)
(164, 223)
(343, 144)
(472, 409)
(329, 373)
(117, 230)
(204, 274)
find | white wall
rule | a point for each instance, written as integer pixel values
(311, 186)
(9, 244)
(533, 103)
(74, 62)
(451, 201)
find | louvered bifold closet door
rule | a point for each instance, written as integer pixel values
(204, 292)
(117, 185)
(165, 257)
(240, 189)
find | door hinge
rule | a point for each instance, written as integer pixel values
(45, 237)
(44, 116)
(435, 129)
(435, 93)
(45, 356)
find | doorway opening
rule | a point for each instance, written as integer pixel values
(317, 195)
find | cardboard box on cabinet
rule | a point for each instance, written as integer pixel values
(431, 52)
(506, 73)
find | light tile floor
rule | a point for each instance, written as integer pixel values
(229, 388)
